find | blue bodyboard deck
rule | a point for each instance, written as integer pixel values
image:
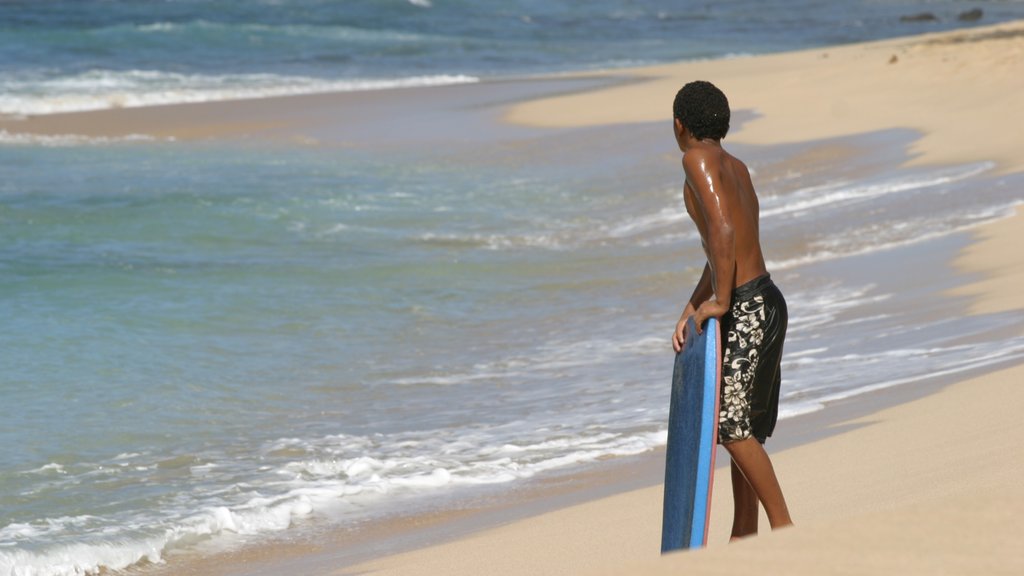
(692, 438)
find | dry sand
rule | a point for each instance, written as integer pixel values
(927, 487)
(964, 90)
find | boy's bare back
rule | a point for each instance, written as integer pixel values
(728, 181)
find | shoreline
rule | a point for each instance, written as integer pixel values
(379, 545)
(904, 82)
(992, 260)
(911, 519)
(358, 119)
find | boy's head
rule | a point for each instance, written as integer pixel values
(703, 109)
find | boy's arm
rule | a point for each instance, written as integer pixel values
(701, 292)
(720, 235)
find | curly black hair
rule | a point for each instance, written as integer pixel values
(703, 109)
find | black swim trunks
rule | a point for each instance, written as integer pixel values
(753, 331)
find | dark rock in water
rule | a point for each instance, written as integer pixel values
(922, 17)
(971, 15)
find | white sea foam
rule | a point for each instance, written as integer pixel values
(51, 467)
(546, 357)
(841, 193)
(249, 29)
(656, 228)
(644, 230)
(44, 529)
(942, 361)
(103, 89)
(64, 140)
(100, 546)
(640, 224)
(435, 460)
(350, 474)
(496, 241)
(117, 552)
(880, 237)
(553, 233)
(821, 307)
(78, 559)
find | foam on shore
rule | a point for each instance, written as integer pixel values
(104, 89)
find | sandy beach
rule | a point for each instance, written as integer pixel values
(925, 486)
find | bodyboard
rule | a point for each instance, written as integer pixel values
(692, 439)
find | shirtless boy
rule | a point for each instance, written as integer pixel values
(735, 288)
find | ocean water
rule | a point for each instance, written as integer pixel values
(64, 55)
(209, 343)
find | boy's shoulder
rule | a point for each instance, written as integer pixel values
(700, 159)
(695, 157)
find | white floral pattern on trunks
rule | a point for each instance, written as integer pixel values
(739, 364)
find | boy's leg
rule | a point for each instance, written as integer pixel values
(753, 462)
(745, 505)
